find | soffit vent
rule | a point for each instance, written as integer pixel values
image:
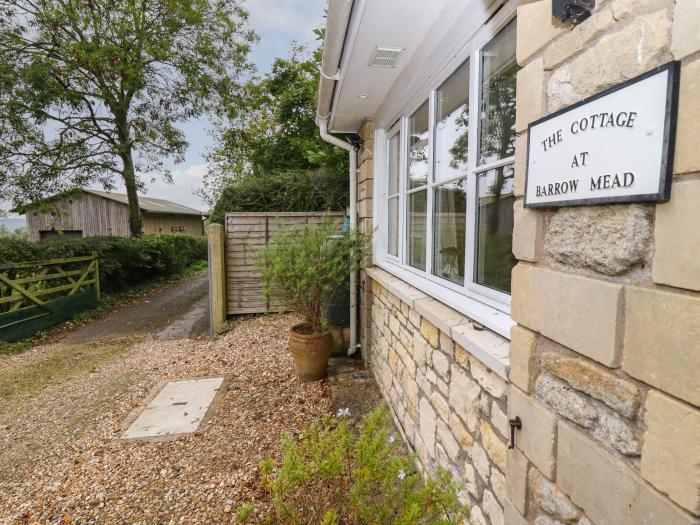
(385, 56)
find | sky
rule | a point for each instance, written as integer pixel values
(278, 23)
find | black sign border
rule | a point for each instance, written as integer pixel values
(667, 151)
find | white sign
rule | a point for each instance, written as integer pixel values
(614, 147)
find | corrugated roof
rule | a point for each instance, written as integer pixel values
(148, 204)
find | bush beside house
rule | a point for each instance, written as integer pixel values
(124, 262)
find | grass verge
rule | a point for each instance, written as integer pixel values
(65, 363)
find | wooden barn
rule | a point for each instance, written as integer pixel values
(88, 213)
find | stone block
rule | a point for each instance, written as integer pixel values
(677, 236)
(523, 366)
(566, 402)
(652, 508)
(476, 516)
(550, 498)
(628, 9)
(464, 394)
(440, 405)
(492, 508)
(460, 432)
(618, 433)
(530, 94)
(499, 420)
(489, 381)
(528, 232)
(428, 425)
(671, 452)
(600, 484)
(662, 330)
(536, 28)
(520, 165)
(430, 333)
(512, 516)
(480, 461)
(619, 394)
(516, 479)
(687, 155)
(495, 447)
(617, 56)
(578, 38)
(498, 485)
(607, 239)
(537, 438)
(448, 442)
(581, 313)
(441, 364)
(686, 37)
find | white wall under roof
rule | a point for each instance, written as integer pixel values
(420, 27)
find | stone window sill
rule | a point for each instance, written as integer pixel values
(483, 344)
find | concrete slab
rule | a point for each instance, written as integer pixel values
(179, 408)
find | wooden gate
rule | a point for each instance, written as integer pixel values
(36, 295)
(246, 233)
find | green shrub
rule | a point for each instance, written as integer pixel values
(304, 266)
(302, 190)
(124, 262)
(333, 475)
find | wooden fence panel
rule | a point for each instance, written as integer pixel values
(246, 233)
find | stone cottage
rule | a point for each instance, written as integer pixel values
(518, 286)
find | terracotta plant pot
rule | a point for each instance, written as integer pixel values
(311, 352)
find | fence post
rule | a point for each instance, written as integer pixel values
(217, 279)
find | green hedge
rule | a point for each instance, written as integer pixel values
(310, 190)
(124, 262)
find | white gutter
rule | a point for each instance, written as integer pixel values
(338, 16)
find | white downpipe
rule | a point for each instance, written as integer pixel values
(323, 126)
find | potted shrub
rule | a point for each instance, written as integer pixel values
(304, 266)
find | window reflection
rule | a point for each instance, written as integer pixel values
(418, 147)
(393, 230)
(448, 231)
(417, 220)
(497, 111)
(494, 256)
(452, 125)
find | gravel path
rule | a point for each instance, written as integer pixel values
(63, 408)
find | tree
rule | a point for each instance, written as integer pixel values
(91, 90)
(273, 132)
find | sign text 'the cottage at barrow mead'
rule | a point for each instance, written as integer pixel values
(614, 147)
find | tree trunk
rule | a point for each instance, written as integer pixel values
(129, 175)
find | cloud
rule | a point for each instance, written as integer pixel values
(293, 19)
(182, 191)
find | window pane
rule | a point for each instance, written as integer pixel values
(417, 220)
(448, 234)
(497, 112)
(494, 257)
(452, 125)
(418, 147)
(393, 233)
(394, 152)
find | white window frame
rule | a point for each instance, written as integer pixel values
(483, 304)
(396, 259)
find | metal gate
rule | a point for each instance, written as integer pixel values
(36, 295)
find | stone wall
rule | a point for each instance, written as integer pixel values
(365, 186)
(449, 405)
(605, 361)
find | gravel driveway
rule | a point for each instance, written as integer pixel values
(62, 410)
